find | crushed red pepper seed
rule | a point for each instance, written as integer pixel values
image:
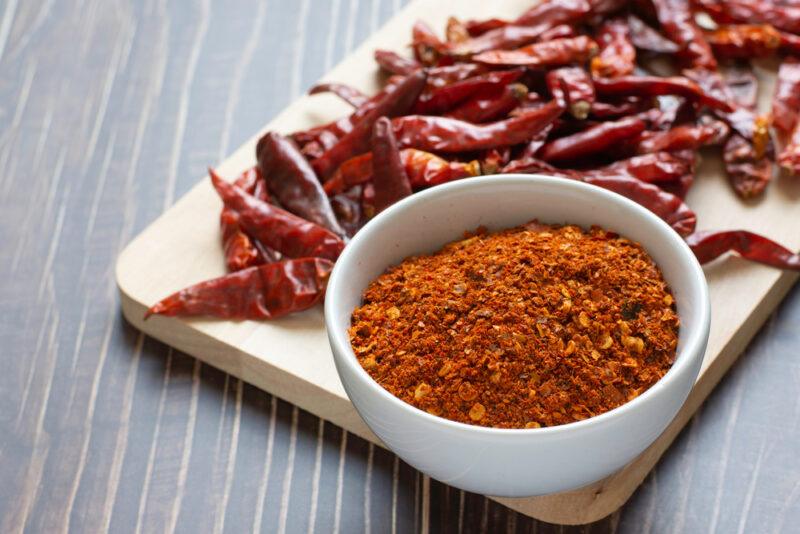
(529, 327)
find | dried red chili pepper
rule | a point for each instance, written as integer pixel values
(388, 173)
(709, 245)
(443, 134)
(422, 168)
(291, 180)
(786, 99)
(349, 94)
(617, 56)
(327, 135)
(649, 86)
(490, 104)
(562, 31)
(736, 41)
(479, 27)
(448, 97)
(572, 88)
(744, 154)
(428, 48)
(535, 144)
(442, 76)
(748, 173)
(654, 168)
(504, 38)
(783, 17)
(684, 136)
(743, 119)
(629, 106)
(354, 171)
(677, 22)
(644, 37)
(550, 54)
(347, 207)
(394, 63)
(262, 292)
(239, 249)
(591, 141)
(396, 102)
(289, 234)
(497, 34)
(665, 205)
(425, 169)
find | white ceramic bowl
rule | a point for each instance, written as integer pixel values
(514, 462)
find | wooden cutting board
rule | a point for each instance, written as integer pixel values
(291, 357)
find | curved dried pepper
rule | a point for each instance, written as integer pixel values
(709, 245)
(647, 38)
(743, 119)
(396, 102)
(496, 34)
(349, 94)
(490, 104)
(356, 170)
(394, 63)
(262, 292)
(748, 172)
(744, 154)
(388, 173)
(783, 17)
(649, 86)
(617, 56)
(289, 234)
(553, 53)
(240, 250)
(572, 88)
(562, 31)
(443, 134)
(677, 22)
(666, 206)
(591, 141)
(329, 134)
(425, 169)
(448, 97)
(737, 41)
(422, 168)
(628, 106)
(479, 27)
(291, 180)
(656, 168)
(684, 136)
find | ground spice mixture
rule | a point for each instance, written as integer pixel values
(529, 327)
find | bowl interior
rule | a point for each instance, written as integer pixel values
(426, 221)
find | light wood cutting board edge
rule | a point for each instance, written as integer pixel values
(212, 343)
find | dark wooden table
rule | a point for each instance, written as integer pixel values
(112, 110)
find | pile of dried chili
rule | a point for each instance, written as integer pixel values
(529, 327)
(564, 88)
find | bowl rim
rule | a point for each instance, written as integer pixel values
(693, 347)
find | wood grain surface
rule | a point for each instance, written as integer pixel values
(109, 112)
